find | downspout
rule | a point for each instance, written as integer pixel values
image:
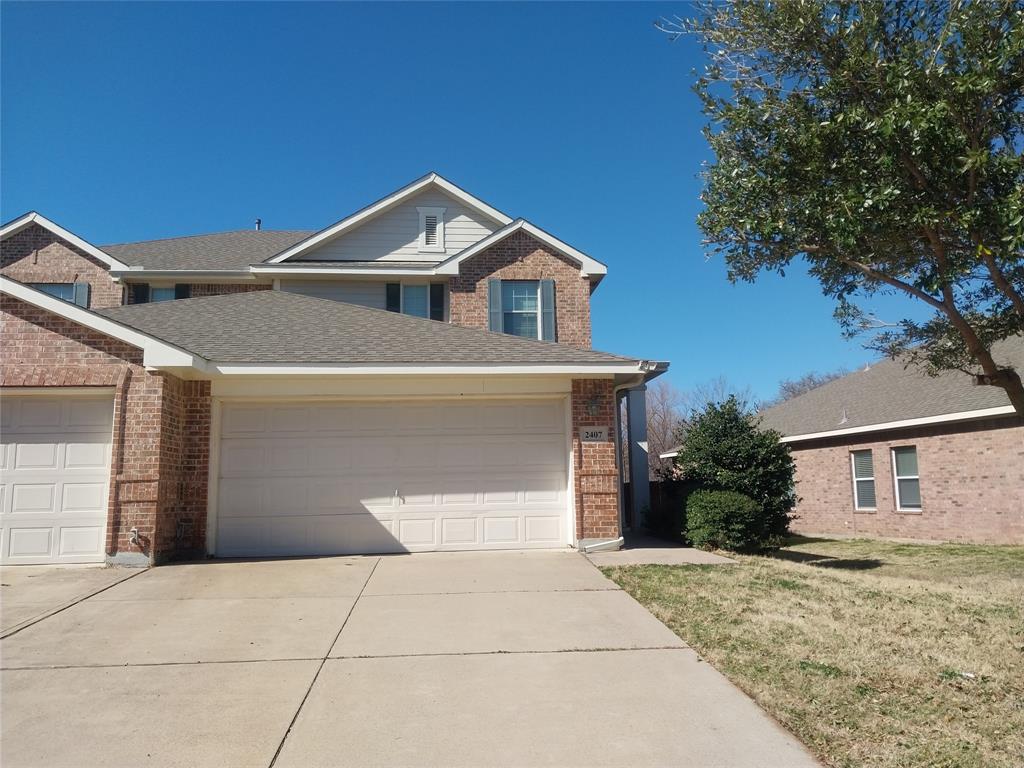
(649, 370)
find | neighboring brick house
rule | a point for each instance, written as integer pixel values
(196, 395)
(891, 452)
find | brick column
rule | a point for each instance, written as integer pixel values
(596, 476)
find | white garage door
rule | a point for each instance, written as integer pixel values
(337, 478)
(56, 470)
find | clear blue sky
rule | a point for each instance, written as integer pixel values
(125, 121)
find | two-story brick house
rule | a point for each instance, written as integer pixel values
(416, 376)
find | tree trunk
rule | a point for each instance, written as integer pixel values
(1010, 380)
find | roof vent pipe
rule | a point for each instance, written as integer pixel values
(259, 224)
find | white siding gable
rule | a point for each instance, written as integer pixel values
(394, 234)
(365, 293)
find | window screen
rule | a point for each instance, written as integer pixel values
(863, 480)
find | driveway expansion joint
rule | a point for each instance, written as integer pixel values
(71, 604)
(320, 667)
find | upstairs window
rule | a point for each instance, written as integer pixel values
(863, 480)
(76, 293)
(520, 308)
(143, 293)
(523, 308)
(416, 299)
(431, 238)
(908, 481)
(161, 293)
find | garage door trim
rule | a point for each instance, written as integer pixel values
(107, 395)
(217, 404)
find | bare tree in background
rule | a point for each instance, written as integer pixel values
(716, 390)
(790, 388)
(669, 410)
(665, 411)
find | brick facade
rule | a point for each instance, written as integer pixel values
(160, 445)
(36, 255)
(972, 484)
(520, 256)
(595, 472)
(221, 289)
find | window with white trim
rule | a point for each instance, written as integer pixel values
(431, 238)
(906, 478)
(863, 467)
(520, 308)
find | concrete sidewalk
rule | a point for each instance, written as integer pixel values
(515, 658)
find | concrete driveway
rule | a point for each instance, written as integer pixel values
(518, 658)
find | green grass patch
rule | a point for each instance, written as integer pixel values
(872, 653)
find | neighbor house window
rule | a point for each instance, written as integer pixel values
(431, 238)
(76, 293)
(908, 481)
(863, 480)
(417, 299)
(522, 308)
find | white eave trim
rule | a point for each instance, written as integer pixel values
(295, 268)
(183, 275)
(406, 192)
(36, 218)
(444, 369)
(588, 267)
(945, 418)
(155, 353)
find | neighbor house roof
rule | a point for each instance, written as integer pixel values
(221, 251)
(278, 327)
(888, 395)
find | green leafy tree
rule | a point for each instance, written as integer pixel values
(724, 449)
(880, 142)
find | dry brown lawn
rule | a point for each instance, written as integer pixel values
(873, 653)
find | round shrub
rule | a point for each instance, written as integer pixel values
(724, 520)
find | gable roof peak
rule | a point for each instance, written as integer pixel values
(386, 203)
(34, 217)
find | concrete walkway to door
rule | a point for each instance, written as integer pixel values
(455, 659)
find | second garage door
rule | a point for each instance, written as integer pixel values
(338, 478)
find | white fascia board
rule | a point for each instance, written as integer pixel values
(288, 270)
(155, 352)
(588, 267)
(32, 217)
(406, 192)
(442, 369)
(182, 275)
(945, 418)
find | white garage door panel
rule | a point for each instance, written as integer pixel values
(56, 467)
(343, 478)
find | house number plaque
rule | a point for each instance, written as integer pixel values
(594, 434)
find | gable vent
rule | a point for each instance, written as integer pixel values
(430, 230)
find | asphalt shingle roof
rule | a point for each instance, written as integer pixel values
(888, 391)
(224, 250)
(281, 327)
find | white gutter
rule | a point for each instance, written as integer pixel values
(281, 270)
(419, 369)
(945, 418)
(182, 275)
